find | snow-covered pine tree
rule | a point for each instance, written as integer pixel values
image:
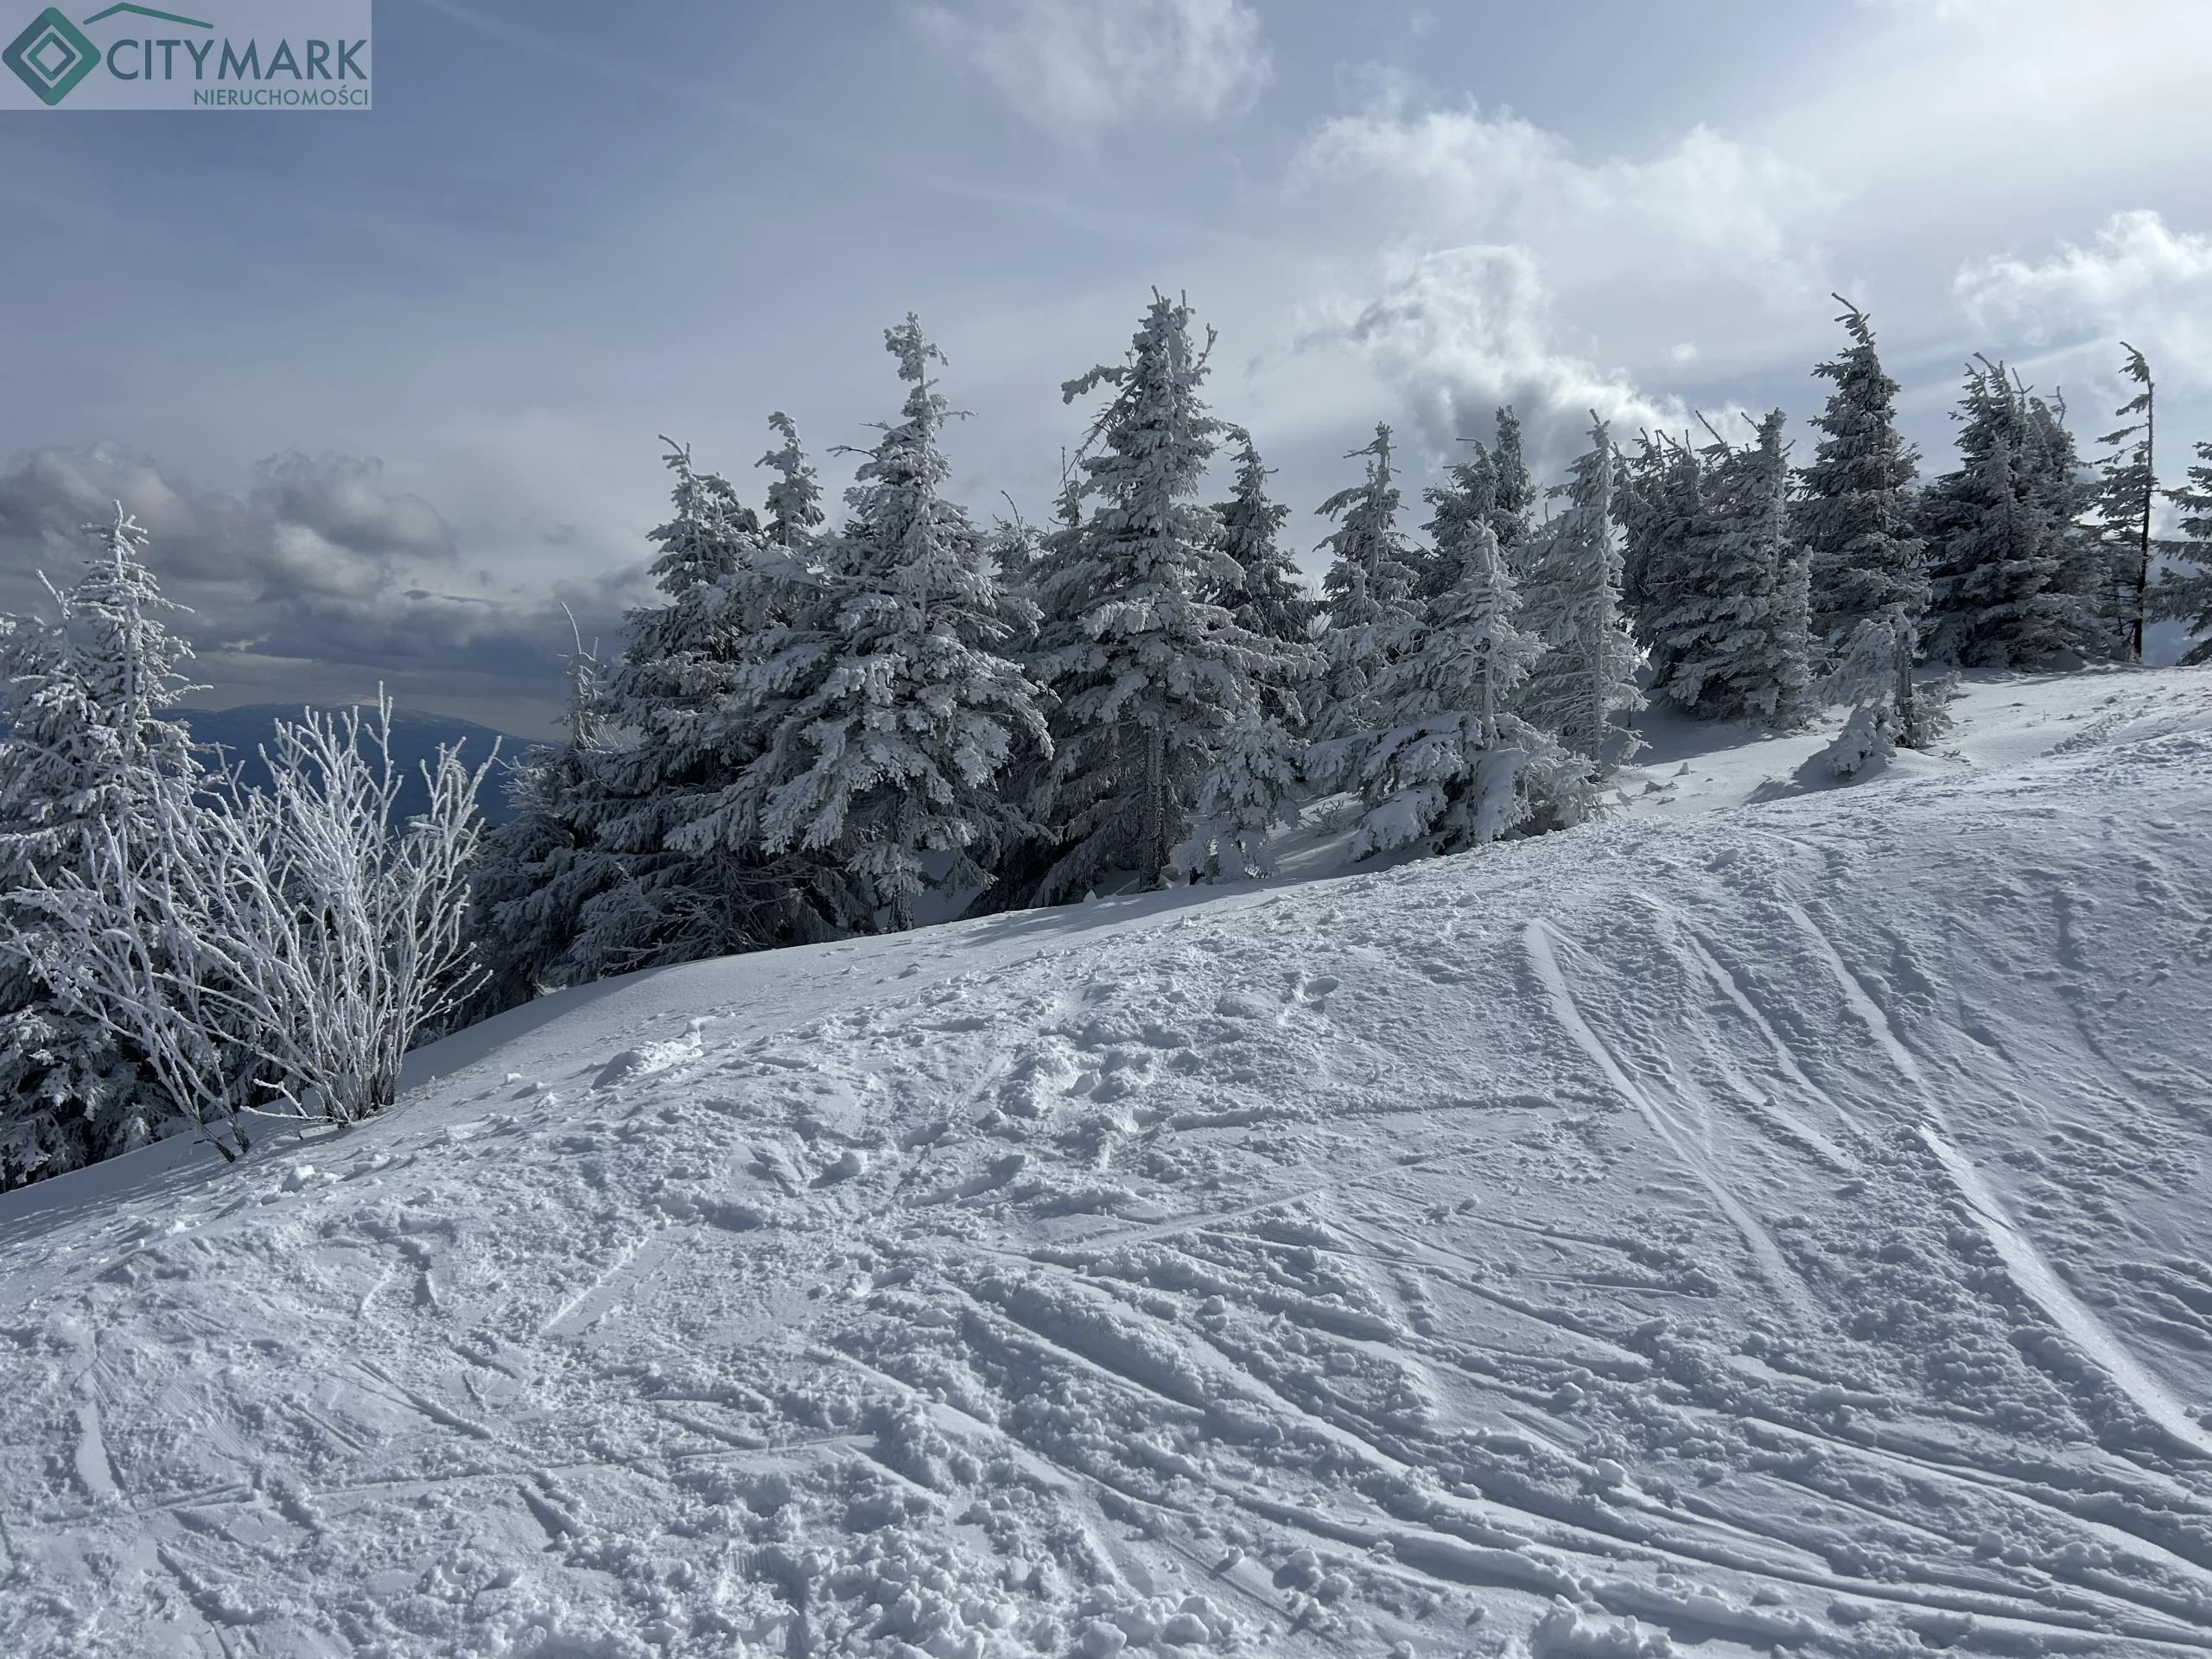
(1270, 597)
(533, 874)
(2183, 590)
(682, 722)
(1252, 789)
(888, 759)
(1854, 508)
(1470, 486)
(2126, 493)
(86, 756)
(1889, 709)
(794, 499)
(1372, 585)
(1994, 549)
(1150, 673)
(1639, 495)
(2066, 491)
(1455, 767)
(1513, 514)
(1797, 699)
(1733, 626)
(1661, 506)
(1012, 546)
(1706, 624)
(1473, 655)
(1781, 691)
(1572, 601)
(1021, 554)
(1854, 515)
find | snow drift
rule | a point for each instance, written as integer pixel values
(1775, 1227)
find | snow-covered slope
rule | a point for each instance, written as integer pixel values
(1731, 1229)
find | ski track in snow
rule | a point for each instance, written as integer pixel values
(1537, 936)
(1776, 1230)
(2026, 1265)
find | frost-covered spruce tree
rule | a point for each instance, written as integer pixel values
(1855, 516)
(910, 714)
(533, 874)
(1638, 493)
(1013, 546)
(1733, 625)
(1890, 710)
(1252, 790)
(1269, 597)
(86, 757)
(1994, 548)
(1572, 601)
(681, 723)
(2183, 590)
(1021, 554)
(1372, 584)
(1150, 673)
(1470, 487)
(794, 499)
(2128, 493)
(1795, 698)
(1455, 767)
(1513, 511)
(2065, 489)
(1661, 510)
(1778, 659)
(1853, 511)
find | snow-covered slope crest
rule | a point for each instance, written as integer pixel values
(1775, 1229)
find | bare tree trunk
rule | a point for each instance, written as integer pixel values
(1908, 713)
(1155, 850)
(2142, 572)
(902, 902)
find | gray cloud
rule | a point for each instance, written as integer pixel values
(320, 580)
(343, 501)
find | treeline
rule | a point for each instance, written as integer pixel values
(824, 727)
(829, 729)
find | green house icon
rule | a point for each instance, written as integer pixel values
(51, 56)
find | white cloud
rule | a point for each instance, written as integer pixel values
(2139, 278)
(1457, 332)
(1490, 233)
(1705, 202)
(1083, 66)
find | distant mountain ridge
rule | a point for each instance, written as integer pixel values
(417, 737)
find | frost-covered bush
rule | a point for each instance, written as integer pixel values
(271, 952)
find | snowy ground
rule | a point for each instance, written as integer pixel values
(1773, 1220)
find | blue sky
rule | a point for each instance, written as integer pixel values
(459, 322)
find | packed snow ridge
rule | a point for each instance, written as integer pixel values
(1770, 1220)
